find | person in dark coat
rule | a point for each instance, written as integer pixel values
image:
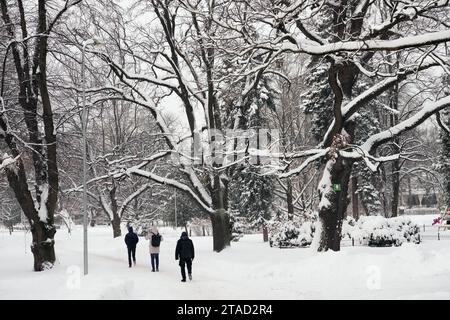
(131, 240)
(185, 253)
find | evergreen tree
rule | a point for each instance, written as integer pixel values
(252, 195)
(368, 125)
(444, 159)
(318, 100)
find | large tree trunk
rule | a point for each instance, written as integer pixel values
(332, 215)
(43, 247)
(43, 232)
(220, 221)
(115, 223)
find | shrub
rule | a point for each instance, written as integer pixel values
(290, 233)
(379, 231)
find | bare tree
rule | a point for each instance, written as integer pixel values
(28, 52)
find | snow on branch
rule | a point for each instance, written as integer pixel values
(7, 161)
(371, 45)
(351, 107)
(173, 183)
(359, 153)
(319, 154)
(131, 197)
(428, 110)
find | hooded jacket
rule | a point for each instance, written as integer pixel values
(152, 249)
(131, 238)
(185, 248)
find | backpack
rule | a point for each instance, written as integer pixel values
(156, 240)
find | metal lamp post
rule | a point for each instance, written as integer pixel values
(83, 126)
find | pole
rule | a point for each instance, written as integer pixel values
(83, 125)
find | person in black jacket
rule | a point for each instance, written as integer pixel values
(185, 252)
(131, 240)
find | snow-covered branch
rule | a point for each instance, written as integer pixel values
(170, 182)
(308, 161)
(133, 196)
(428, 110)
(369, 45)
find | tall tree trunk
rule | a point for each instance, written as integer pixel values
(40, 213)
(43, 246)
(43, 232)
(220, 221)
(290, 200)
(395, 188)
(355, 200)
(332, 215)
(265, 234)
(395, 146)
(115, 223)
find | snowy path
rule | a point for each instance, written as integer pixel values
(249, 269)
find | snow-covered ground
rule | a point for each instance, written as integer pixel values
(250, 269)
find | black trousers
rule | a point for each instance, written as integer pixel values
(155, 260)
(131, 253)
(185, 262)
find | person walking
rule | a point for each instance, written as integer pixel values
(131, 240)
(155, 241)
(185, 253)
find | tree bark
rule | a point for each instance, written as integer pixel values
(290, 200)
(395, 187)
(331, 216)
(115, 223)
(220, 221)
(265, 234)
(43, 246)
(355, 200)
(42, 232)
(395, 148)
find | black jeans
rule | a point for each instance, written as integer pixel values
(188, 263)
(131, 252)
(155, 260)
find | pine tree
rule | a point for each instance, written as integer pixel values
(252, 195)
(368, 125)
(444, 159)
(318, 100)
